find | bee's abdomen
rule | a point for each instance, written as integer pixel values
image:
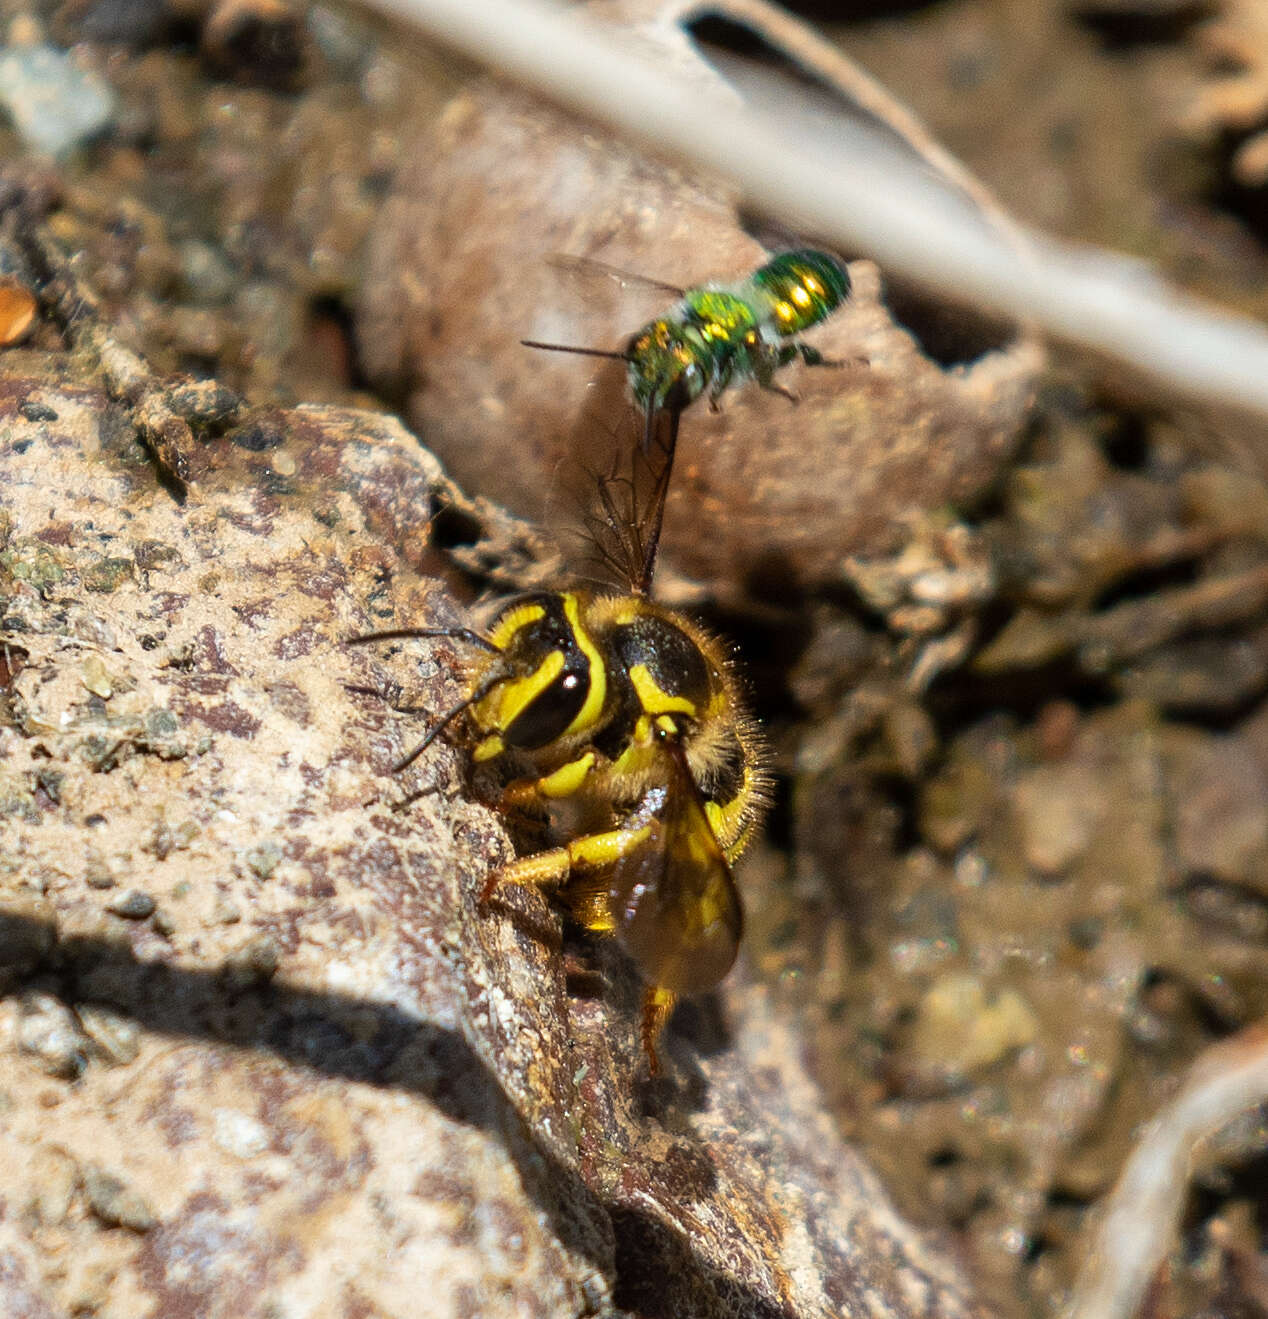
(804, 287)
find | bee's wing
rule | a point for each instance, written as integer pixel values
(675, 906)
(620, 458)
(586, 266)
(618, 480)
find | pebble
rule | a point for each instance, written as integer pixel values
(133, 905)
(115, 1204)
(262, 860)
(17, 310)
(960, 1027)
(1057, 809)
(49, 1031)
(114, 1037)
(55, 106)
(255, 963)
(55, 1176)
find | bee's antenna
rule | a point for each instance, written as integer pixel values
(396, 633)
(572, 348)
(474, 698)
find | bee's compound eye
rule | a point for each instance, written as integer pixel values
(549, 713)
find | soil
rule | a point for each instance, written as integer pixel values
(1001, 909)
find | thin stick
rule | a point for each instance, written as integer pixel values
(1138, 1223)
(863, 194)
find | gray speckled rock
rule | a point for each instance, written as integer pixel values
(365, 1094)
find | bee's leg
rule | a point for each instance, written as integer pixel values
(556, 866)
(764, 362)
(813, 357)
(721, 380)
(563, 782)
(658, 1005)
(786, 393)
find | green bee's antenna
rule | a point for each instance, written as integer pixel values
(572, 348)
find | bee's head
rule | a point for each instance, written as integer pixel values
(665, 367)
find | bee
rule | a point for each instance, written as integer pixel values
(719, 334)
(630, 714)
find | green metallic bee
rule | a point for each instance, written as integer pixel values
(720, 335)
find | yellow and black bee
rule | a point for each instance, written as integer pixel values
(630, 713)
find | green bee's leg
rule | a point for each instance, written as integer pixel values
(764, 360)
(721, 380)
(813, 357)
(658, 1006)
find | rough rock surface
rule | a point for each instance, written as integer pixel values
(263, 1053)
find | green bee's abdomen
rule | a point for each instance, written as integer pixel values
(804, 287)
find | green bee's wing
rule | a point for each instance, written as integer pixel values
(586, 266)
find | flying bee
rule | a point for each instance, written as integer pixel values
(719, 334)
(629, 714)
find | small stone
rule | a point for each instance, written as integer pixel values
(1057, 811)
(133, 905)
(108, 574)
(49, 1031)
(255, 963)
(960, 1028)
(115, 1204)
(55, 1175)
(33, 411)
(97, 871)
(164, 924)
(239, 1133)
(115, 1039)
(54, 105)
(95, 677)
(262, 860)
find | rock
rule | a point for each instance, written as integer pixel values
(54, 104)
(1058, 810)
(114, 1203)
(49, 1032)
(18, 310)
(133, 905)
(367, 1055)
(1219, 795)
(961, 1028)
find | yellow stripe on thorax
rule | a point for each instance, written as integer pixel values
(652, 698)
(593, 707)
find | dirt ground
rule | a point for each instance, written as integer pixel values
(1007, 907)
